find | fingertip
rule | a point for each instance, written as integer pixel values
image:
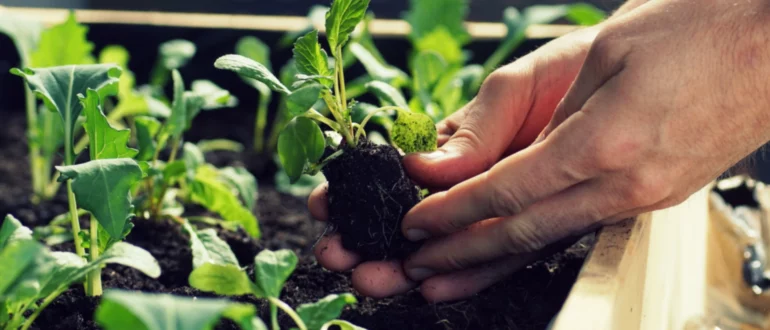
(332, 256)
(318, 202)
(381, 279)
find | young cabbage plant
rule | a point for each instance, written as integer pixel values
(125, 310)
(32, 276)
(172, 55)
(217, 270)
(59, 45)
(230, 192)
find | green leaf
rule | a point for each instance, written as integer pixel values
(207, 247)
(311, 59)
(442, 42)
(104, 141)
(301, 100)
(58, 87)
(315, 315)
(387, 94)
(12, 230)
(193, 158)
(219, 145)
(428, 67)
(272, 269)
(25, 264)
(585, 14)
(414, 132)
(177, 122)
(378, 70)
(300, 143)
(118, 55)
(131, 256)
(24, 32)
(209, 191)
(427, 16)
(175, 54)
(302, 188)
(243, 182)
(342, 325)
(146, 129)
(226, 280)
(243, 315)
(103, 187)
(206, 95)
(342, 19)
(249, 68)
(253, 48)
(63, 44)
(126, 310)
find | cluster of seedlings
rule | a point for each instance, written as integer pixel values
(119, 150)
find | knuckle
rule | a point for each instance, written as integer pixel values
(521, 238)
(611, 152)
(644, 189)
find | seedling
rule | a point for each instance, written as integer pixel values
(32, 276)
(217, 270)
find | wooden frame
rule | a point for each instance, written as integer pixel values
(379, 27)
(644, 273)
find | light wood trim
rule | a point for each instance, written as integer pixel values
(646, 273)
(379, 27)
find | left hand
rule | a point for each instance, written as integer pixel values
(670, 96)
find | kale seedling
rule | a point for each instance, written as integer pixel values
(217, 270)
(32, 276)
(369, 191)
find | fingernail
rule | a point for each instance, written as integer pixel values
(433, 155)
(417, 234)
(419, 274)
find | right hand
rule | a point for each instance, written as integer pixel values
(514, 105)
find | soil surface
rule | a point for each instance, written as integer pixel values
(369, 193)
(528, 299)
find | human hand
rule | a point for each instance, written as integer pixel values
(670, 96)
(514, 105)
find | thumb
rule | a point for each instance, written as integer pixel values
(487, 126)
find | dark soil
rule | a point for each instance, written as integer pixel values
(369, 193)
(528, 299)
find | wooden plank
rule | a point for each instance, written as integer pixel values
(379, 27)
(644, 273)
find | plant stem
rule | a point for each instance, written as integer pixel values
(174, 149)
(260, 122)
(289, 311)
(313, 114)
(274, 317)
(371, 114)
(33, 141)
(95, 278)
(74, 220)
(48, 300)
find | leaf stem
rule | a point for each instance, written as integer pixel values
(74, 220)
(289, 311)
(315, 115)
(95, 278)
(274, 317)
(48, 300)
(260, 122)
(371, 114)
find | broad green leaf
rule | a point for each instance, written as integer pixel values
(387, 94)
(103, 187)
(226, 280)
(428, 67)
(272, 269)
(243, 315)
(193, 158)
(25, 264)
(104, 141)
(249, 68)
(302, 188)
(342, 19)
(63, 44)
(12, 230)
(301, 100)
(311, 59)
(138, 104)
(427, 16)
(67, 268)
(132, 256)
(175, 54)
(585, 14)
(207, 247)
(243, 182)
(206, 95)
(414, 132)
(209, 191)
(300, 143)
(50, 133)
(342, 325)
(253, 48)
(118, 55)
(177, 122)
(127, 310)
(58, 87)
(442, 42)
(24, 32)
(146, 129)
(315, 315)
(378, 70)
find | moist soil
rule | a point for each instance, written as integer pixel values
(369, 193)
(528, 299)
